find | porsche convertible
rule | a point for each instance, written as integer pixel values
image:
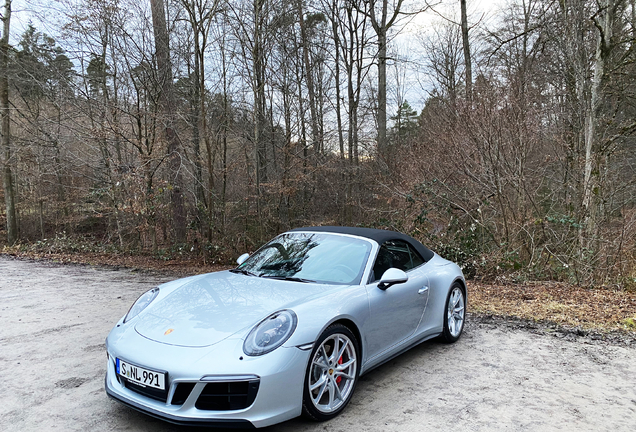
(287, 332)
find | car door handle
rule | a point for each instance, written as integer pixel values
(423, 290)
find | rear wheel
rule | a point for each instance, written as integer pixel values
(332, 373)
(454, 314)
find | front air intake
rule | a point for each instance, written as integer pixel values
(228, 395)
(181, 393)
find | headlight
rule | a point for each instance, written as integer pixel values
(270, 333)
(142, 302)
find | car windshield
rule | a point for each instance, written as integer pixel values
(311, 257)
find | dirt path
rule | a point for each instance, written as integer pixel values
(54, 319)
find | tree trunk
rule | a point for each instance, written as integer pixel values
(381, 28)
(382, 144)
(202, 129)
(200, 15)
(315, 135)
(592, 177)
(167, 102)
(225, 127)
(259, 98)
(467, 61)
(336, 42)
(9, 193)
(353, 51)
(196, 120)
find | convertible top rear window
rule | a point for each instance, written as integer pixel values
(311, 257)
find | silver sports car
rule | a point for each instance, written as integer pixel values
(287, 332)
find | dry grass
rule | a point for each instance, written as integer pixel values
(589, 308)
(178, 267)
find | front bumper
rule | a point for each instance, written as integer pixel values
(280, 373)
(225, 423)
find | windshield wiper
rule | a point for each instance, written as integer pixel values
(288, 278)
(242, 271)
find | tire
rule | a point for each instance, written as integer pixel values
(454, 314)
(331, 379)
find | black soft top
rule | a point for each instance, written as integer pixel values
(378, 235)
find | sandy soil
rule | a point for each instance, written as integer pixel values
(499, 376)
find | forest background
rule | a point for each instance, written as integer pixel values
(204, 127)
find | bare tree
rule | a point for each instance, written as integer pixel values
(466, 44)
(200, 17)
(167, 101)
(311, 91)
(382, 20)
(9, 193)
(334, 18)
(354, 41)
(604, 21)
(442, 50)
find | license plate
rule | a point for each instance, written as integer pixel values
(141, 376)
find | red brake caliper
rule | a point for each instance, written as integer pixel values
(338, 379)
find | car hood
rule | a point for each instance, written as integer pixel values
(211, 308)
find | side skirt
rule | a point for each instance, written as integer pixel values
(380, 359)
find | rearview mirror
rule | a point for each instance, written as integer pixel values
(391, 277)
(240, 260)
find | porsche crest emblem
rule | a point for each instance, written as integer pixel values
(167, 332)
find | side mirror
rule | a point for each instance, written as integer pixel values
(391, 277)
(240, 260)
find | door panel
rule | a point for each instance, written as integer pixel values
(395, 312)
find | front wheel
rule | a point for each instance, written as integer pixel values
(455, 314)
(332, 373)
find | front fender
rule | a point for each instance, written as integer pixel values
(315, 316)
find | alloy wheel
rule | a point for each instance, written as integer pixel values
(455, 312)
(332, 373)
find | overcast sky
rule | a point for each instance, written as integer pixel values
(44, 13)
(416, 83)
(48, 17)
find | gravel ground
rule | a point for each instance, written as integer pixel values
(502, 375)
